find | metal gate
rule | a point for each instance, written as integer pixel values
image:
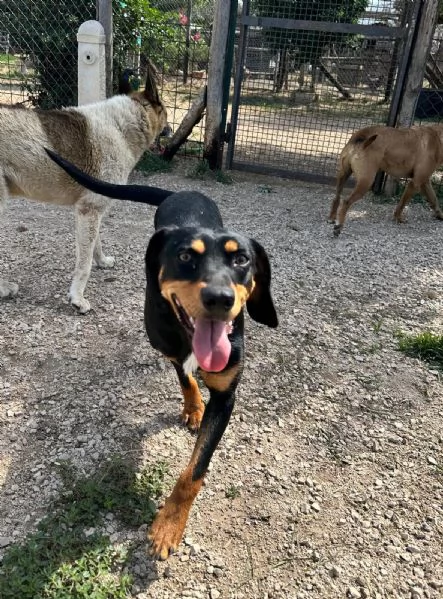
(307, 78)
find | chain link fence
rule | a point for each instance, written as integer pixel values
(308, 75)
(38, 50)
(175, 36)
(301, 87)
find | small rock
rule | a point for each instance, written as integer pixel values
(353, 593)
(436, 584)
(335, 571)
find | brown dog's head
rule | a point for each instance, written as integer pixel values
(207, 278)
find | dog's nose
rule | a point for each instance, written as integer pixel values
(216, 299)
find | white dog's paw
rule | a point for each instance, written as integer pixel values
(79, 302)
(8, 289)
(105, 262)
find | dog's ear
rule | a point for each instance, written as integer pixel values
(151, 90)
(259, 304)
(154, 250)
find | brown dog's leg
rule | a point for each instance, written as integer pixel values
(404, 201)
(342, 177)
(194, 407)
(363, 185)
(432, 199)
(167, 529)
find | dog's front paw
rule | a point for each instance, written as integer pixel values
(439, 215)
(337, 230)
(79, 302)
(8, 289)
(166, 531)
(193, 419)
(105, 262)
(400, 218)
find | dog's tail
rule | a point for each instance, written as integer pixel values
(145, 194)
(360, 138)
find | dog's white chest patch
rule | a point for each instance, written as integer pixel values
(190, 365)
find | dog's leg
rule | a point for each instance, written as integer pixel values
(429, 193)
(194, 407)
(342, 177)
(87, 223)
(7, 289)
(363, 186)
(167, 529)
(411, 188)
(100, 259)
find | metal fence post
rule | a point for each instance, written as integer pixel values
(91, 63)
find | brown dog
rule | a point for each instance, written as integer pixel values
(413, 153)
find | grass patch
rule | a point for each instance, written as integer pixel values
(191, 148)
(7, 58)
(232, 492)
(68, 557)
(202, 172)
(426, 346)
(151, 163)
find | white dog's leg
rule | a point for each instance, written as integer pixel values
(87, 223)
(7, 289)
(100, 259)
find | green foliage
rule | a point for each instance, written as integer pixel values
(156, 32)
(46, 31)
(232, 492)
(426, 346)
(203, 172)
(68, 557)
(151, 163)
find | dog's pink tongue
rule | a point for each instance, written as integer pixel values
(211, 345)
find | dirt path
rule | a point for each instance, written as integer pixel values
(333, 454)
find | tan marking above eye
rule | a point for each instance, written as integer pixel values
(231, 245)
(198, 245)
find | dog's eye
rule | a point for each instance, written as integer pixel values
(240, 260)
(185, 256)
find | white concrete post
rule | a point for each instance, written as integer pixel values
(91, 63)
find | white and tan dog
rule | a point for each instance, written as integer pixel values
(105, 139)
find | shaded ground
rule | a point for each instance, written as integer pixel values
(328, 482)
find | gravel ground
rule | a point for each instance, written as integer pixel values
(336, 439)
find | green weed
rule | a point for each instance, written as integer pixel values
(426, 346)
(68, 557)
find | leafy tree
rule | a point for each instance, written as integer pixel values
(305, 46)
(158, 30)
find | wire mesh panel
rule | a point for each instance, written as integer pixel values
(311, 73)
(429, 107)
(38, 50)
(175, 36)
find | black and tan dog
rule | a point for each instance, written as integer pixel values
(199, 278)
